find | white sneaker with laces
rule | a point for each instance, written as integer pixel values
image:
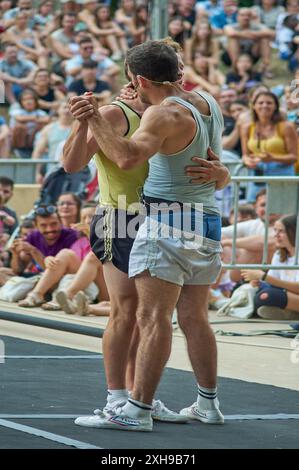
(161, 413)
(118, 421)
(213, 416)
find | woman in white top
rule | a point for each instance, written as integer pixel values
(278, 294)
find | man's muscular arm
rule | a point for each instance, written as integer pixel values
(145, 142)
(81, 145)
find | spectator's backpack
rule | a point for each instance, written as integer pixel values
(59, 182)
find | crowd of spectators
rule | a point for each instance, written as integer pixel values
(51, 51)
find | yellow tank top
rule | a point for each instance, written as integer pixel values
(274, 144)
(114, 182)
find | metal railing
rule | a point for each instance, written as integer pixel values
(22, 171)
(282, 197)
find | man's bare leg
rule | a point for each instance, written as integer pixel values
(118, 333)
(156, 302)
(202, 349)
(233, 49)
(193, 320)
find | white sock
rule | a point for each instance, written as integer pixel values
(137, 409)
(115, 395)
(206, 398)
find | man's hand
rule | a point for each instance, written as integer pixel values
(26, 247)
(207, 171)
(51, 262)
(127, 92)
(81, 107)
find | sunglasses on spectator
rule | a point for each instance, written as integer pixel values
(45, 210)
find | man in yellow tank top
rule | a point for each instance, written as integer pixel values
(122, 290)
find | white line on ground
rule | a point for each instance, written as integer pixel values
(47, 435)
(51, 357)
(250, 417)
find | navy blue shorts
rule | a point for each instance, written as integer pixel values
(116, 246)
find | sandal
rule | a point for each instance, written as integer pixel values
(51, 306)
(82, 303)
(65, 303)
(32, 300)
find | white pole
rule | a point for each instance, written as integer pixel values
(159, 19)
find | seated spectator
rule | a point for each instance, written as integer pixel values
(203, 75)
(16, 73)
(278, 294)
(248, 37)
(186, 10)
(62, 40)
(67, 261)
(232, 141)
(269, 143)
(5, 5)
(139, 26)
(68, 209)
(286, 36)
(268, 13)
(4, 139)
(245, 212)
(208, 9)
(10, 15)
(243, 76)
(49, 238)
(202, 41)
(50, 137)
(177, 31)
(89, 82)
(26, 120)
(6, 272)
(226, 97)
(26, 40)
(124, 15)
(106, 69)
(45, 14)
(250, 238)
(8, 217)
(227, 16)
(112, 35)
(49, 98)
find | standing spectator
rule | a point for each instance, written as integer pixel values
(248, 37)
(89, 82)
(269, 143)
(16, 73)
(202, 41)
(49, 98)
(51, 136)
(26, 120)
(278, 294)
(4, 139)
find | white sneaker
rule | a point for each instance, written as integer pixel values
(111, 408)
(161, 413)
(118, 421)
(82, 303)
(205, 416)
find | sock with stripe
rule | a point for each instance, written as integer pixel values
(206, 398)
(137, 409)
(116, 395)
